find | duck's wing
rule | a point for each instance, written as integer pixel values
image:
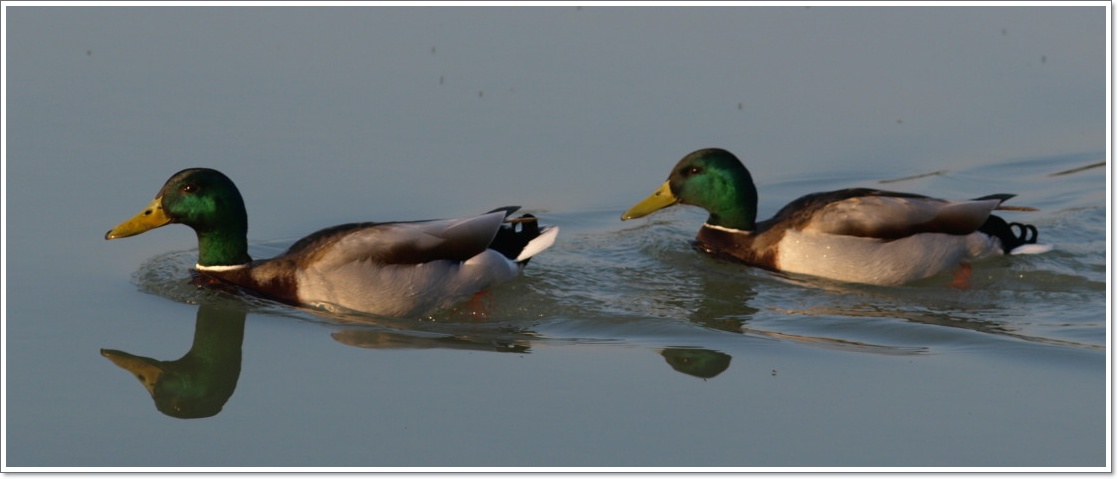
(399, 243)
(888, 215)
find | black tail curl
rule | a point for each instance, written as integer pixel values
(998, 228)
(513, 236)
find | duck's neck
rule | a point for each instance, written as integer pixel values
(734, 209)
(223, 247)
(735, 220)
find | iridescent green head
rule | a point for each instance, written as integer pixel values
(205, 200)
(713, 179)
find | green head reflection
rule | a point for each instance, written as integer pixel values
(701, 363)
(200, 383)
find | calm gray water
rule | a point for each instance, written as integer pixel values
(620, 347)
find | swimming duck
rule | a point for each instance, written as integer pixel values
(399, 269)
(856, 235)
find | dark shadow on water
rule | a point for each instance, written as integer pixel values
(373, 339)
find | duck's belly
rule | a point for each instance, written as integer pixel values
(866, 260)
(402, 290)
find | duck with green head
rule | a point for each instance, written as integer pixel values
(856, 235)
(400, 269)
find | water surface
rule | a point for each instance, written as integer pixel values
(620, 346)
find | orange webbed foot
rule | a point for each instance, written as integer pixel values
(961, 277)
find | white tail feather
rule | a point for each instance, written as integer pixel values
(1032, 248)
(539, 243)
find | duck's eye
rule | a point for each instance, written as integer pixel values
(190, 188)
(692, 170)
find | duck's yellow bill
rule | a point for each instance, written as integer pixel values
(150, 218)
(661, 198)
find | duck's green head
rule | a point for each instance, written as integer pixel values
(713, 179)
(205, 200)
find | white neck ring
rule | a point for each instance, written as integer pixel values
(723, 228)
(220, 268)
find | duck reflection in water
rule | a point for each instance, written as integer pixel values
(701, 363)
(198, 384)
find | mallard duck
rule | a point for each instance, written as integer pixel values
(856, 235)
(400, 269)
